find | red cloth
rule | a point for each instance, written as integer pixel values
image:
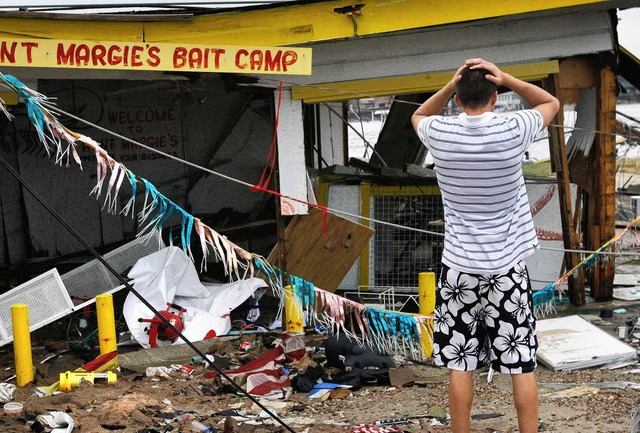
(264, 374)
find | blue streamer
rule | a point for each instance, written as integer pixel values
(35, 113)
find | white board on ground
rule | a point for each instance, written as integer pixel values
(572, 343)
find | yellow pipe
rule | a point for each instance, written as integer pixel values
(427, 304)
(292, 310)
(22, 344)
(106, 323)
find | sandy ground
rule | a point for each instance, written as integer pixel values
(588, 400)
(141, 404)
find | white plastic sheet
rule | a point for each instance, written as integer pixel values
(169, 276)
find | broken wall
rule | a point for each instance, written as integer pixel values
(207, 122)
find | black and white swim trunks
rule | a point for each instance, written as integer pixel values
(485, 317)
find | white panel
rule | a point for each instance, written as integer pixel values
(332, 135)
(347, 199)
(46, 299)
(570, 343)
(293, 173)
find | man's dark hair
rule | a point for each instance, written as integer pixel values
(473, 89)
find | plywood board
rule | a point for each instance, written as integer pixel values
(321, 258)
(571, 343)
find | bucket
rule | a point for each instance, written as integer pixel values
(70, 379)
(13, 409)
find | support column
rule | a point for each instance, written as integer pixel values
(605, 180)
(559, 164)
(291, 158)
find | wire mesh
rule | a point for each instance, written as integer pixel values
(398, 255)
(45, 297)
(92, 278)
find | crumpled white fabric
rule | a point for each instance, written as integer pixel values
(60, 422)
(169, 276)
(6, 392)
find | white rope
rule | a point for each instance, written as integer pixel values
(330, 210)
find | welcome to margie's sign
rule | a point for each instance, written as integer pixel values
(44, 53)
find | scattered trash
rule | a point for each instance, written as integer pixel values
(627, 293)
(575, 391)
(606, 313)
(13, 408)
(481, 416)
(197, 426)
(60, 422)
(160, 371)
(184, 369)
(6, 392)
(248, 345)
(199, 359)
(622, 332)
(72, 379)
(322, 390)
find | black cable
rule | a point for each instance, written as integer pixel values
(122, 280)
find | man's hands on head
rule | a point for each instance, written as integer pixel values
(457, 76)
(496, 76)
(533, 95)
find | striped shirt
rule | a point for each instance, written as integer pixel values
(488, 222)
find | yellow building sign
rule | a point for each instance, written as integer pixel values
(44, 53)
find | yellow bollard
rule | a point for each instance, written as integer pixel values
(106, 323)
(427, 292)
(22, 344)
(427, 303)
(292, 310)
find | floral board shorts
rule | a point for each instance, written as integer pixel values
(482, 318)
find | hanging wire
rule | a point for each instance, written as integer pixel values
(59, 111)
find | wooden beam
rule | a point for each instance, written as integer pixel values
(605, 180)
(287, 25)
(558, 155)
(421, 83)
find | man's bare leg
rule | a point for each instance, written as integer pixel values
(525, 397)
(460, 400)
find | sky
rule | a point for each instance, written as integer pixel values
(629, 30)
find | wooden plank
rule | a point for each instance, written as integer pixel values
(578, 73)
(322, 258)
(604, 178)
(558, 154)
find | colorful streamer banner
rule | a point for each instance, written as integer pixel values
(386, 331)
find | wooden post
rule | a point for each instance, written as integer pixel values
(605, 179)
(559, 163)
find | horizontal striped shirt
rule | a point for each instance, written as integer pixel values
(488, 222)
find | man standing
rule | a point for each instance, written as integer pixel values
(484, 307)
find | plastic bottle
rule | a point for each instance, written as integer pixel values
(197, 426)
